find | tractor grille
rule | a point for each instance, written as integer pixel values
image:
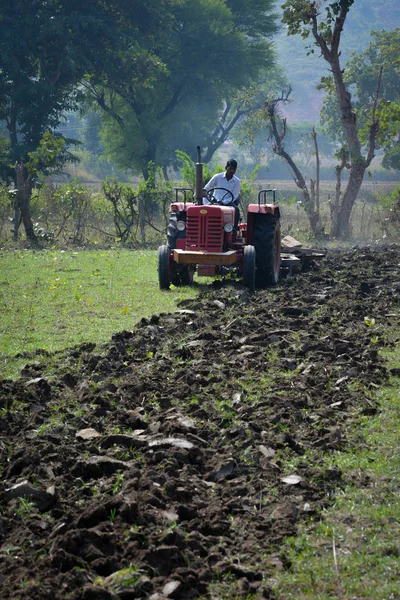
(204, 232)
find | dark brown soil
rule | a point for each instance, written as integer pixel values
(174, 461)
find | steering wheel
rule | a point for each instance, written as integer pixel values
(213, 200)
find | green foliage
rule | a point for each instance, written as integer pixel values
(5, 158)
(62, 212)
(123, 203)
(247, 181)
(155, 193)
(391, 204)
(362, 77)
(131, 210)
(46, 48)
(49, 155)
(300, 15)
(25, 508)
(391, 160)
(204, 56)
(188, 171)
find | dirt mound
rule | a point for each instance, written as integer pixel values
(172, 462)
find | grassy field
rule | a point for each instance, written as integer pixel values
(51, 300)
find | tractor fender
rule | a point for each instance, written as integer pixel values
(263, 209)
(254, 211)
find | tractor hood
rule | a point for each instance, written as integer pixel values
(205, 226)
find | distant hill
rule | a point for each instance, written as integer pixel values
(304, 72)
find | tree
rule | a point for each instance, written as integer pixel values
(311, 195)
(267, 122)
(303, 17)
(46, 48)
(48, 157)
(360, 75)
(241, 106)
(207, 51)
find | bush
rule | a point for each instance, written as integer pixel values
(391, 204)
(63, 212)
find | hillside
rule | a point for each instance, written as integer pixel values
(304, 72)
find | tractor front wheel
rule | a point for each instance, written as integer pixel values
(164, 278)
(267, 242)
(249, 267)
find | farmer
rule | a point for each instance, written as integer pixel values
(228, 181)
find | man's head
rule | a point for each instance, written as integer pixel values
(230, 168)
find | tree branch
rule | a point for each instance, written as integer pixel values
(174, 101)
(101, 101)
(318, 38)
(373, 130)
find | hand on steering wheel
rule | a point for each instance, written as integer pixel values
(212, 199)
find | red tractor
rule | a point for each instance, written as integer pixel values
(202, 237)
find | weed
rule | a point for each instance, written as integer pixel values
(113, 513)
(118, 483)
(26, 508)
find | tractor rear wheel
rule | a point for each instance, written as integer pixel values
(267, 242)
(164, 278)
(249, 267)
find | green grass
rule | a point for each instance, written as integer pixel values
(353, 551)
(52, 300)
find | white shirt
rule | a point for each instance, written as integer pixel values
(220, 180)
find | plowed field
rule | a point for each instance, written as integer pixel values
(173, 461)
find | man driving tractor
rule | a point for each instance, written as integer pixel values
(226, 181)
(203, 239)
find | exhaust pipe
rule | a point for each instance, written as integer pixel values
(199, 178)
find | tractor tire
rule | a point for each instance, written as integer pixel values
(267, 242)
(249, 267)
(172, 233)
(164, 278)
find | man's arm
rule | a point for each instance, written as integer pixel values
(236, 190)
(210, 184)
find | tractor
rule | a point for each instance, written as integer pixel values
(201, 237)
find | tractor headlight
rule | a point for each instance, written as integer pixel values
(181, 225)
(228, 227)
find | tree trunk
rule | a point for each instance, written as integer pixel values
(142, 219)
(16, 221)
(331, 53)
(24, 187)
(341, 228)
(317, 169)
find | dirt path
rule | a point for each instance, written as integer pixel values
(172, 462)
